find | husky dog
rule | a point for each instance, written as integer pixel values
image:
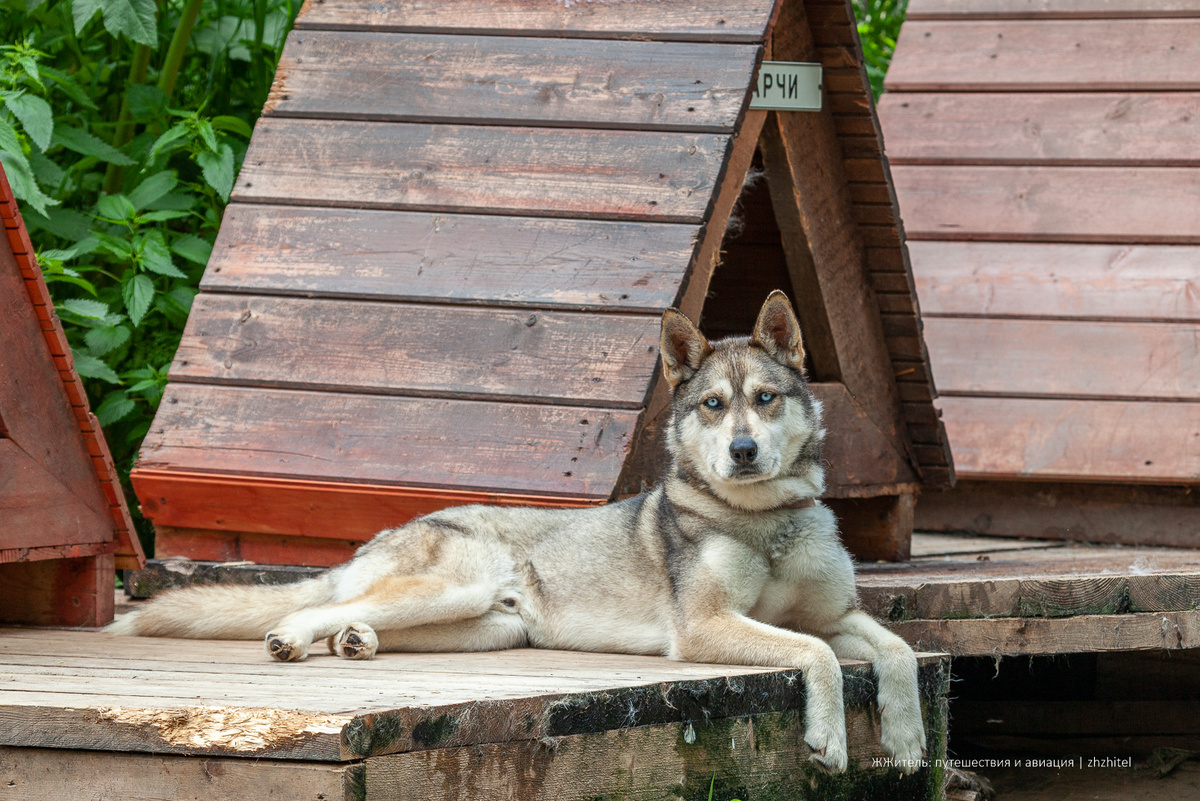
(729, 559)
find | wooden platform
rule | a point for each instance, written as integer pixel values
(82, 713)
(1046, 157)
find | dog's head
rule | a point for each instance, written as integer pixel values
(744, 421)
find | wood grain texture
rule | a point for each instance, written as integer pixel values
(630, 175)
(1125, 205)
(353, 253)
(1146, 515)
(58, 592)
(1082, 440)
(225, 545)
(513, 81)
(469, 445)
(431, 351)
(696, 20)
(997, 279)
(39, 512)
(1050, 9)
(1048, 55)
(982, 356)
(1109, 128)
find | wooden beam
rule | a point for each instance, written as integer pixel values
(58, 592)
(877, 528)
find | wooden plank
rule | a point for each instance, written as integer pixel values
(996, 279)
(354, 511)
(1085, 634)
(1081, 440)
(925, 544)
(513, 81)
(876, 528)
(33, 774)
(1130, 129)
(523, 448)
(39, 511)
(58, 592)
(1136, 205)
(231, 545)
(1042, 358)
(1142, 55)
(1145, 515)
(1050, 9)
(684, 20)
(419, 350)
(435, 258)
(627, 175)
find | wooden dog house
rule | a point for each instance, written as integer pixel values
(1047, 159)
(64, 525)
(441, 275)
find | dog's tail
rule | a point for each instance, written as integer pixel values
(223, 612)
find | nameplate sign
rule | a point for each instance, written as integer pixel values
(788, 86)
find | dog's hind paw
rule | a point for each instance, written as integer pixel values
(286, 646)
(903, 739)
(356, 641)
(828, 751)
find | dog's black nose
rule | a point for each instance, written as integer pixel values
(743, 450)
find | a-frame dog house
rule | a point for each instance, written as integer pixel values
(441, 276)
(64, 525)
(1047, 158)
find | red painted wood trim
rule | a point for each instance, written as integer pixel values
(340, 510)
(56, 552)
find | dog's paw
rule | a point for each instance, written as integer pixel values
(828, 744)
(903, 736)
(356, 641)
(286, 645)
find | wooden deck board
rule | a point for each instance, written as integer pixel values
(1050, 9)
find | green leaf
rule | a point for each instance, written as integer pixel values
(85, 144)
(162, 216)
(183, 296)
(23, 184)
(146, 101)
(115, 207)
(114, 407)
(134, 18)
(91, 309)
(46, 171)
(154, 187)
(10, 144)
(64, 278)
(68, 86)
(35, 116)
(193, 248)
(89, 366)
(33, 5)
(138, 292)
(174, 201)
(217, 169)
(67, 223)
(114, 245)
(170, 137)
(82, 12)
(231, 124)
(156, 257)
(205, 129)
(106, 338)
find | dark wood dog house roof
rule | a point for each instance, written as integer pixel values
(441, 274)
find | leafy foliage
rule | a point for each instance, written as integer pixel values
(878, 26)
(122, 126)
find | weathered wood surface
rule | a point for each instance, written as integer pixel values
(1046, 128)
(1082, 634)
(1044, 582)
(996, 279)
(35, 774)
(227, 544)
(522, 448)
(38, 510)
(1125, 204)
(70, 591)
(384, 348)
(173, 696)
(625, 175)
(1147, 515)
(695, 20)
(536, 262)
(1042, 358)
(1048, 55)
(513, 81)
(1049, 9)
(1090, 440)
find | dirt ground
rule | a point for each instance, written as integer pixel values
(1095, 784)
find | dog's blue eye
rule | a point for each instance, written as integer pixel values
(712, 403)
(766, 397)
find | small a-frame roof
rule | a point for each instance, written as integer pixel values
(456, 226)
(60, 496)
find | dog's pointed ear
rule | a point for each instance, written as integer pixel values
(778, 332)
(683, 347)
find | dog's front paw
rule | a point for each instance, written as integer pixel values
(828, 744)
(356, 641)
(286, 645)
(903, 737)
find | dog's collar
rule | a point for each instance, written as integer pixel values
(803, 503)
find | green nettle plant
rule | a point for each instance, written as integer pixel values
(878, 26)
(122, 126)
